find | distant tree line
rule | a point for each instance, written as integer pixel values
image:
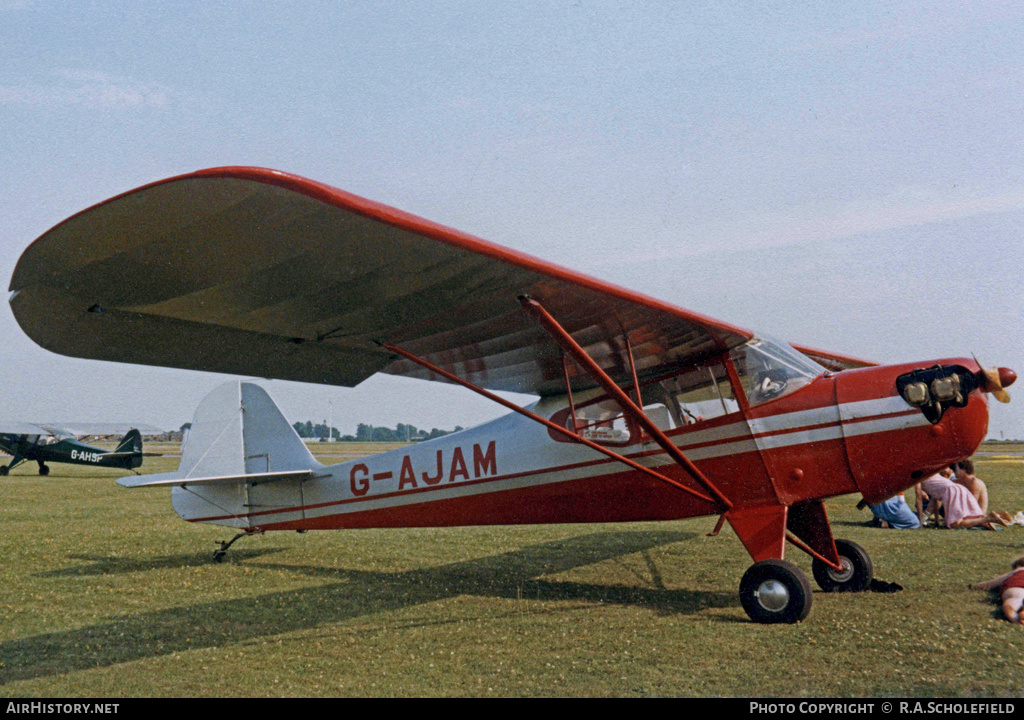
(369, 433)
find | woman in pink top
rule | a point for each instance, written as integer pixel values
(1011, 590)
(959, 506)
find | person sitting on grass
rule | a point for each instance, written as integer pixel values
(1011, 591)
(892, 513)
(959, 507)
(965, 476)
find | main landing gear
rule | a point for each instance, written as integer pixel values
(5, 469)
(777, 591)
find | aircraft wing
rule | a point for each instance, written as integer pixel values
(833, 361)
(23, 428)
(92, 429)
(256, 272)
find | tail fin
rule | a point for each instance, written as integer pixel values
(237, 429)
(237, 432)
(131, 442)
(128, 454)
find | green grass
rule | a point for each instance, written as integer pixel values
(104, 592)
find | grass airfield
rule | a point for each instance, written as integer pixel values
(105, 592)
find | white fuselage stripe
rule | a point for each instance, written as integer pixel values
(827, 423)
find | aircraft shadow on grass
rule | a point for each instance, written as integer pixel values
(356, 593)
(110, 565)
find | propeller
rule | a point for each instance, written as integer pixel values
(993, 380)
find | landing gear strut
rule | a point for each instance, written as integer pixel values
(15, 461)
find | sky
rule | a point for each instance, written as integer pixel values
(847, 176)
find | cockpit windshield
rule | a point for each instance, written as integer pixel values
(769, 369)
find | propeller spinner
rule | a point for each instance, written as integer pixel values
(994, 380)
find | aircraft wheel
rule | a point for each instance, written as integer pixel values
(775, 591)
(856, 574)
(44, 470)
(4, 470)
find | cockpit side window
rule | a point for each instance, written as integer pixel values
(687, 397)
(694, 395)
(600, 420)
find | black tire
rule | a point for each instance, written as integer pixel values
(44, 470)
(775, 591)
(4, 470)
(857, 570)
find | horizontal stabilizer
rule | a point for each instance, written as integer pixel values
(175, 479)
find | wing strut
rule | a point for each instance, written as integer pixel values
(544, 421)
(629, 408)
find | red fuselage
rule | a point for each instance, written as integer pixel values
(845, 432)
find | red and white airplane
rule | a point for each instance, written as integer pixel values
(646, 411)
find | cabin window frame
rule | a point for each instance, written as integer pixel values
(718, 372)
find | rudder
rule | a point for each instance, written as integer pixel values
(238, 430)
(131, 443)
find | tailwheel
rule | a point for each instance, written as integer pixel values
(775, 591)
(856, 574)
(219, 553)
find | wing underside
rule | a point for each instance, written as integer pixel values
(23, 428)
(834, 361)
(254, 272)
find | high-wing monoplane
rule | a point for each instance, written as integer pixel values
(646, 411)
(26, 442)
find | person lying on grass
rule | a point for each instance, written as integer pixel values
(1011, 590)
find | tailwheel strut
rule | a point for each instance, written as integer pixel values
(219, 553)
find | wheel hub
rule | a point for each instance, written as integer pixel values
(844, 575)
(772, 595)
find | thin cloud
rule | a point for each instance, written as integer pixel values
(817, 225)
(87, 89)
